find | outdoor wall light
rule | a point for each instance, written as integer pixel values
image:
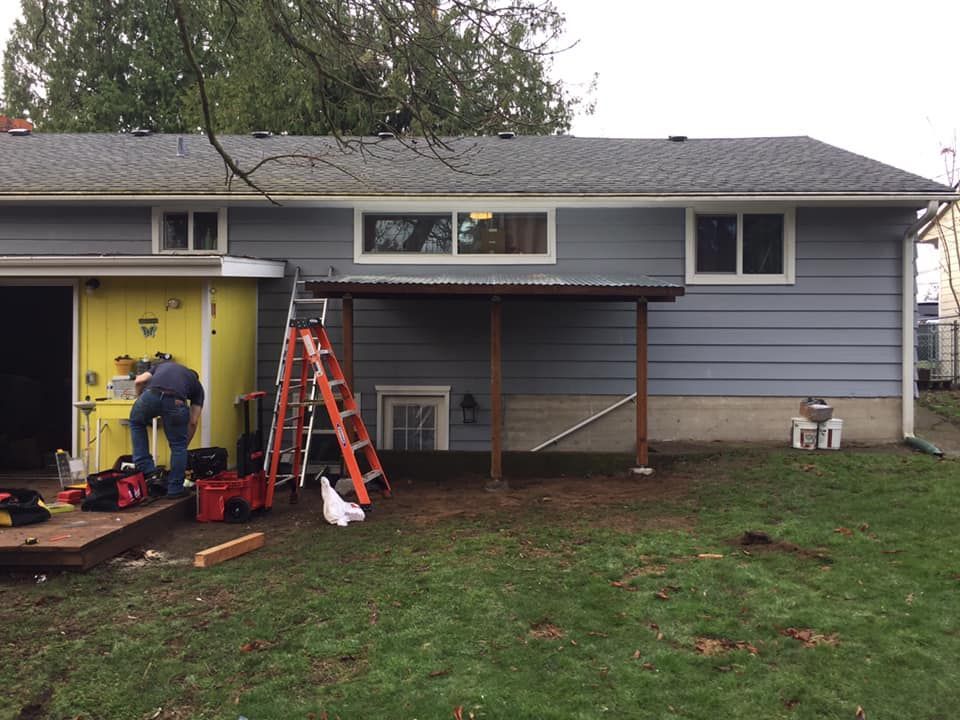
(469, 407)
(91, 285)
(173, 303)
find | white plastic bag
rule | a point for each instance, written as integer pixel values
(335, 509)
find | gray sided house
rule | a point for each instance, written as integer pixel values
(774, 269)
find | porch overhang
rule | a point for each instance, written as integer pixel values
(497, 287)
(502, 285)
(173, 265)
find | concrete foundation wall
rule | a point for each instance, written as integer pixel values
(532, 419)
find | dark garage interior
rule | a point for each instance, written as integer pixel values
(35, 368)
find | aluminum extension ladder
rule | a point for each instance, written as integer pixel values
(304, 388)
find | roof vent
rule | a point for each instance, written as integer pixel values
(506, 134)
(18, 132)
(677, 138)
(261, 134)
(385, 135)
(181, 147)
(140, 132)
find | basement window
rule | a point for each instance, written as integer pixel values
(479, 235)
(413, 417)
(182, 230)
(737, 247)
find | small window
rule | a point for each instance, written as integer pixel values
(478, 236)
(186, 231)
(415, 418)
(740, 247)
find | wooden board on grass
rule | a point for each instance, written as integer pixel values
(226, 551)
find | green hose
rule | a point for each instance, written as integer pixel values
(923, 446)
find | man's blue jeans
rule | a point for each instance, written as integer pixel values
(176, 419)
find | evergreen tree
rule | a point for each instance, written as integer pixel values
(346, 67)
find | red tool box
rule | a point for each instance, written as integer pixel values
(233, 495)
(228, 497)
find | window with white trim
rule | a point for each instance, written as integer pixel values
(413, 417)
(481, 235)
(186, 230)
(741, 247)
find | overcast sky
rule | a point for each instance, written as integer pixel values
(877, 78)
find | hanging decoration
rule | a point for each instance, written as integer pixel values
(148, 325)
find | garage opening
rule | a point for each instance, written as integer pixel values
(36, 388)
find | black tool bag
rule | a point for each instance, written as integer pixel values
(21, 507)
(206, 462)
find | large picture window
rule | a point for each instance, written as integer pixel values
(740, 247)
(460, 236)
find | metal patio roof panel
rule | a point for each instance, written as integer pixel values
(518, 283)
(112, 164)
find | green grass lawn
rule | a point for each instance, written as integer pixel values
(539, 613)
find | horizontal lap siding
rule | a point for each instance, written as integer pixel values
(836, 332)
(74, 230)
(413, 342)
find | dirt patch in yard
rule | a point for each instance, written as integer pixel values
(754, 542)
(423, 503)
(718, 646)
(810, 638)
(546, 630)
(426, 502)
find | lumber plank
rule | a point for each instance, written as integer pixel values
(226, 551)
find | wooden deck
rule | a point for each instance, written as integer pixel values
(79, 540)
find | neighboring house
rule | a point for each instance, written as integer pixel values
(774, 268)
(943, 232)
(9, 123)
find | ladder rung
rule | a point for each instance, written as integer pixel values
(309, 301)
(336, 383)
(323, 431)
(308, 403)
(359, 444)
(347, 413)
(370, 475)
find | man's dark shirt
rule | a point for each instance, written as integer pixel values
(181, 381)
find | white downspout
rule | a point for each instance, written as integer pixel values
(909, 293)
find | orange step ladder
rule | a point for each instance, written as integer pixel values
(319, 371)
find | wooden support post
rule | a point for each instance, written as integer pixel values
(642, 449)
(347, 321)
(496, 399)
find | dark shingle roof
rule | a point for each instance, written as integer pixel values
(545, 165)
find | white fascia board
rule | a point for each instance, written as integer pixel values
(252, 267)
(207, 266)
(515, 199)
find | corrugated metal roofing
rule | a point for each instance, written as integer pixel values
(106, 164)
(517, 284)
(504, 279)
